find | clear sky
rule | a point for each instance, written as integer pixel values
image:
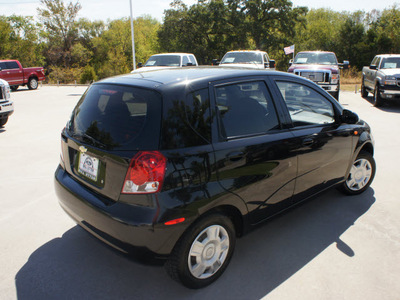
(115, 9)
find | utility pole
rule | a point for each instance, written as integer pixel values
(133, 39)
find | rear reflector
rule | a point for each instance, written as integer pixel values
(175, 221)
(145, 174)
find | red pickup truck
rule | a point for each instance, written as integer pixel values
(13, 72)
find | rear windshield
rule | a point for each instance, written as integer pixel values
(117, 117)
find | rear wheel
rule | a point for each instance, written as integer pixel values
(33, 83)
(377, 97)
(3, 121)
(361, 174)
(203, 253)
(364, 92)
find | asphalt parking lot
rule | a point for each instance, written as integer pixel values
(332, 247)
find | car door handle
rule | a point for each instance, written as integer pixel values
(308, 142)
(235, 156)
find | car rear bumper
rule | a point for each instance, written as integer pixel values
(128, 228)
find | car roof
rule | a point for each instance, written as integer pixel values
(258, 51)
(171, 53)
(173, 76)
(317, 51)
(388, 55)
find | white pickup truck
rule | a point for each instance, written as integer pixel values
(254, 59)
(382, 78)
(6, 105)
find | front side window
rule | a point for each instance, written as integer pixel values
(245, 109)
(305, 105)
(12, 65)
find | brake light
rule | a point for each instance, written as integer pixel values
(145, 174)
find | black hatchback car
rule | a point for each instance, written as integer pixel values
(178, 163)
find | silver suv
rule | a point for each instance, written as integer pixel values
(6, 105)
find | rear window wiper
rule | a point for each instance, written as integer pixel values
(94, 141)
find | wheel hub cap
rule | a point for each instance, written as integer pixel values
(360, 174)
(208, 252)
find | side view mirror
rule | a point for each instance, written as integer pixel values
(346, 64)
(0, 68)
(272, 63)
(349, 117)
(139, 65)
(372, 67)
(290, 62)
(189, 64)
(215, 62)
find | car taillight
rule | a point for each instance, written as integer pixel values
(145, 174)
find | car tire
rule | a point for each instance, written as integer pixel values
(33, 83)
(361, 174)
(364, 92)
(377, 97)
(3, 121)
(203, 252)
(14, 87)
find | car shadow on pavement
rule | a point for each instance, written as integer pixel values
(390, 106)
(78, 266)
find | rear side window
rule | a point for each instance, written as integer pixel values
(118, 117)
(305, 105)
(188, 123)
(245, 109)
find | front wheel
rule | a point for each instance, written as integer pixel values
(33, 83)
(364, 92)
(361, 174)
(377, 97)
(203, 253)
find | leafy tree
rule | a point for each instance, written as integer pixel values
(59, 21)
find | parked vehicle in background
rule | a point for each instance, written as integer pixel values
(168, 60)
(180, 162)
(13, 72)
(6, 105)
(246, 58)
(382, 78)
(321, 67)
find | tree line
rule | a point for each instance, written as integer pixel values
(77, 49)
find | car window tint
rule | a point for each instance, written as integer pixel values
(3, 65)
(117, 117)
(187, 122)
(305, 105)
(12, 65)
(245, 109)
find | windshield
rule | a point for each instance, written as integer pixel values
(390, 63)
(242, 58)
(313, 58)
(163, 61)
(117, 117)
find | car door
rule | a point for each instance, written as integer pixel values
(15, 73)
(4, 72)
(324, 144)
(254, 156)
(371, 74)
